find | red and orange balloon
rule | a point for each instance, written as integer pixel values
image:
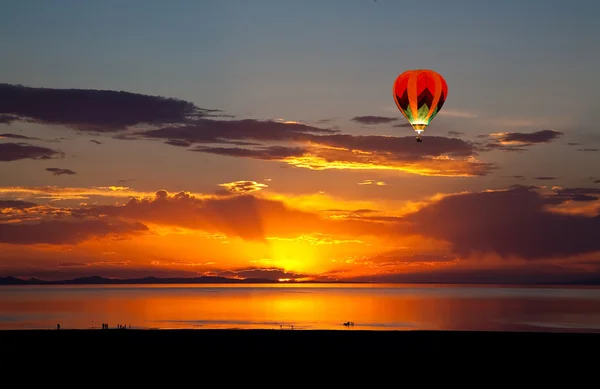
(420, 94)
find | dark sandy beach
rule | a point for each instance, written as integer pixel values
(162, 344)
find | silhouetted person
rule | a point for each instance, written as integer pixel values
(58, 326)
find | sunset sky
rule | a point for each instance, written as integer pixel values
(261, 139)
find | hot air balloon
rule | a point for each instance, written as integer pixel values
(420, 94)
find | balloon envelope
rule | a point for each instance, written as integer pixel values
(420, 94)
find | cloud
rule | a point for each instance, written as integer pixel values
(243, 186)
(402, 125)
(517, 177)
(16, 136)
(324, 158)
(54, 193)
(94, 110)
(16, 204)
(526, 139)
(240, 216)
(95, 141)
(316, 148)
(269, 274)
(518, 141)
(373, 119)
(573, 144)
(245, 216)
(546, 178)
(355, 211)
(58, 171)
(437, 156)
(400, 257)
(596, 181)
(574, 194)
(7, 119)
(401, 147)
(17, 211)
(17, 151)
(588, 149)
(372, 182)
(208, 131)
(274, 153)
(455, 133)
(65, 232)
(518, 274)
(178, 142)
(514, 222)
(180, 123)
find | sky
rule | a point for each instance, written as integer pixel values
(261, 139)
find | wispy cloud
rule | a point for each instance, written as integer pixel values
(15, 136)
(94, 110)
(520, 138)
(372, 182)
(7, 119)
(243, 186)
(374, 119)
(59, 172)
(16, 151)
(62, 193)
(16, 204)
(518, 141)
(250, 131)
(63, 232)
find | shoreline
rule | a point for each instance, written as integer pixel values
(240, 348)
(302, 338)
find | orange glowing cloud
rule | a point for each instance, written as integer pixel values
(302, 236)
(315, 148)
(244, 216)
(324, 157)
(243, 186)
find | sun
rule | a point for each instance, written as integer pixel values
(295, 255)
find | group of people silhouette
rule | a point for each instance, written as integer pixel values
(104, 326)
(119, 326)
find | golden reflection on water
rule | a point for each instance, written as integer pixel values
(306, 306)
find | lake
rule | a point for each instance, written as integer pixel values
(305, 306)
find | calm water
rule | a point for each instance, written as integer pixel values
(373, 307)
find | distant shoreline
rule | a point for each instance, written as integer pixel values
(97, 280)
